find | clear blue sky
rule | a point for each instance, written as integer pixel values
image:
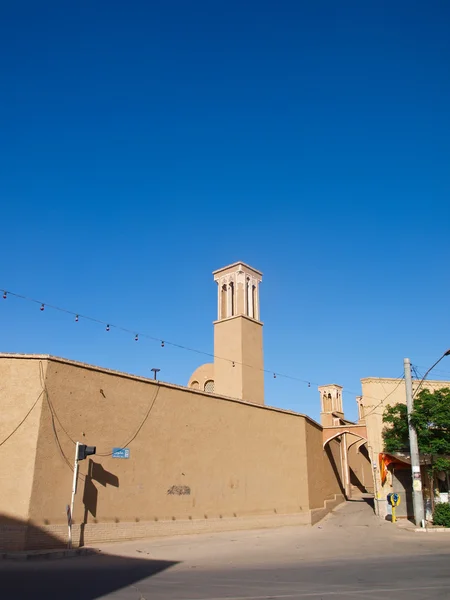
(144, 144)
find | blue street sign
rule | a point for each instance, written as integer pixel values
(121, 453)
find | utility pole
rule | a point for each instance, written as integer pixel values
(419, 514)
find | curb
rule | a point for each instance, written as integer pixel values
(47, 554)
(432, 530)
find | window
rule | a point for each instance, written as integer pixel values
(247, 299)
(209, 386)
(223, 302)
(254, 301)
(232, 300)
(194, 385)
(327, 404)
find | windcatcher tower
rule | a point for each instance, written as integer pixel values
(331, 405)
(238, 347)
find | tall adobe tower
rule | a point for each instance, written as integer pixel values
(331, 404)
(238, 366)
(238, 334)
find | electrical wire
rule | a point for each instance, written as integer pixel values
(442, 372)
(134, 436)
(22, 421)
(446, 353)
(55, 416)
(384, 399)
(415, 371)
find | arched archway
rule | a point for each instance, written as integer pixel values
(356, 472)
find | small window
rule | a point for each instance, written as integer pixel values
(194, 385)
(223, 302)
(327, 404)
(209, 386)
(232, 299)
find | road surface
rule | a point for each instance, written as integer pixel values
(349, 555)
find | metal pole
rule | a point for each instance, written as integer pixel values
(419, 513)
(374, 474)
(74, 491)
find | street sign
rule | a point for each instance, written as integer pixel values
(120, 453)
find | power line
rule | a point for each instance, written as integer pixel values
(134, 436)
(446, 353)
(415, 371)
(138, 335)
(384, 399)
(442, 372)
(22, 421)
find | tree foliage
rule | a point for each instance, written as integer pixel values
(396, 435)
(430, 418)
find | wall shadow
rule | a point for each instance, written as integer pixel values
(83, 577)
(96, 473)
(336, 471)
(87, 577)
(17, 535)
(354, 480)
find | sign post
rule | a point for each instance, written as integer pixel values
(81, 452)
(72, 499)
(69, 525)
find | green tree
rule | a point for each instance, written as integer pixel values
(430, 418)
(395, 434)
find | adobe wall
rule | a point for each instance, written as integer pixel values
(197, 461)
(21, 391)
(324, 470)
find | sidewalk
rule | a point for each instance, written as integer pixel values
(407, 525)
(26, 555)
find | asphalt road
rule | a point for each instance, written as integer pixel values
(350, 555)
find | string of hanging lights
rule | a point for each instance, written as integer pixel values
(137, 336)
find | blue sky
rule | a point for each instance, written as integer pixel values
(145, 144)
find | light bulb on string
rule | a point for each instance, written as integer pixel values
(162, 344)
(136, 339)
(76, 318)
(108, 328)
(42, 307)
(274, 375)
(4, 295)
(309, 384)
(234, 364)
